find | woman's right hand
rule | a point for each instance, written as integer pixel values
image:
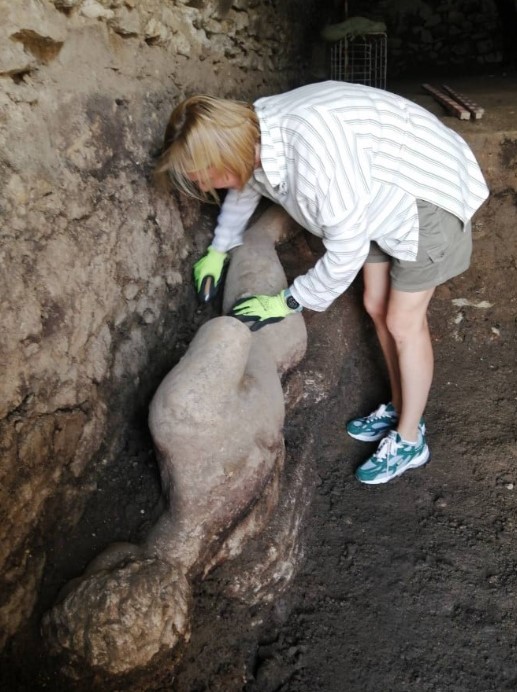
(208, 273)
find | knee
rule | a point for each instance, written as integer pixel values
(403, 326)
(375, 307)
(396, 326)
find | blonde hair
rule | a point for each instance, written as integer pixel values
(207, 132)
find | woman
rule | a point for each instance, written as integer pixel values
(386, 186)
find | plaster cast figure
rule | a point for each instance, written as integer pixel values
(217, 425)
(385, 184)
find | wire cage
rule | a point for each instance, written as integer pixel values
(360, 59)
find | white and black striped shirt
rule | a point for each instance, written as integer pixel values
(348, 162)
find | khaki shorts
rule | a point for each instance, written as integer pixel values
(444, 251)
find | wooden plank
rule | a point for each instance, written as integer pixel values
(450, 104)
(477, 111)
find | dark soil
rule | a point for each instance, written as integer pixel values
(407, 586)
(411, 585)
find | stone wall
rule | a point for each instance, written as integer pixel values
(430, 36)
(95, 262)
(427, 37)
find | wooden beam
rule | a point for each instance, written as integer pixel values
(450, 104)
(477, 111)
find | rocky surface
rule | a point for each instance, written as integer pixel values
(96, 298)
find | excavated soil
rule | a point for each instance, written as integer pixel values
(411, 585)
(407, 586)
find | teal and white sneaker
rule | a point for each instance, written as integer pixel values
(393, 456)
(375, 426)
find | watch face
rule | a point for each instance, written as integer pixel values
(292, 303)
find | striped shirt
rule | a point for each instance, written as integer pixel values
(348, 163)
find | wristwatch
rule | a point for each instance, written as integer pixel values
(291, 301)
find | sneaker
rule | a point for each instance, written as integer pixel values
(393, 456)
(375, 426)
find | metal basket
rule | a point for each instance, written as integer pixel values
(361, 59)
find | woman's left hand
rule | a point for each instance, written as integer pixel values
(263, 310)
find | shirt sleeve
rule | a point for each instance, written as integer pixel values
(235, 213)
(347, 247)
(339, 183)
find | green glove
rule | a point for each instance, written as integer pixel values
(262, 310)
(208, 273)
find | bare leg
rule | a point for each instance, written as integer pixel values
(406, 321)
(376, 298)
(400, 321)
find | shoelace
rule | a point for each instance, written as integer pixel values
(378, 413)
(386, 449)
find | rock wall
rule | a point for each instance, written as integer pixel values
(96, 263)
(435, 36)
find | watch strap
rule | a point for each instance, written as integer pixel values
(291, 301)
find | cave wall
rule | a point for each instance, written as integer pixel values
(430, 37)
(95, 262)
